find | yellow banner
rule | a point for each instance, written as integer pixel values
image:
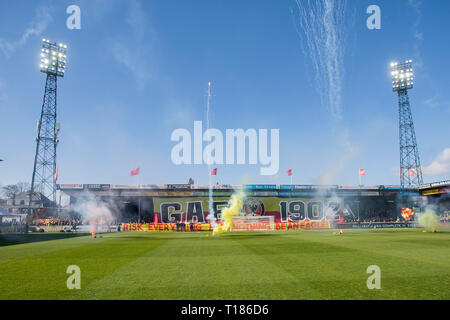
(429, 192)
(171, 227)
(162, 227)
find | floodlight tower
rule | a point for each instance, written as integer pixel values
(53, 64)
(410, 169)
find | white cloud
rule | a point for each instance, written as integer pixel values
(2, 92)
(432, 102)
(38, 25)
(131, 58)
(135, 49)
(436, 102)
(176, 115)
(440, 166)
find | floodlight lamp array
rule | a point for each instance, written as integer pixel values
(53, 58)
(402, 75)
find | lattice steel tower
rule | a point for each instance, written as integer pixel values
(410, 169)
(53, 63)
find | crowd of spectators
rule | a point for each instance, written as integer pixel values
(56, 222)
(444, 218)
(20, 226)
(372, 220)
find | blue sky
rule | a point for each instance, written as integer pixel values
(137, 70)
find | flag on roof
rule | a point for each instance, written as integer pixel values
(135, 172)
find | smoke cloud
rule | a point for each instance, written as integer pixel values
(429, 220)
(233, 209)
(323, 30)
(323, 33)
(96, 212)
(211, 217)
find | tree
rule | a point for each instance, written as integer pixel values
(23, 186)
(12, 190)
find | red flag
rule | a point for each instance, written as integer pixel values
(214, 172)
(362, 172)
(56, 175)
(156, 218)
(135, 172)
(289, 172)
(412, 172)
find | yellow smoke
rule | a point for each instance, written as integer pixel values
(233, 209)
(429, 220)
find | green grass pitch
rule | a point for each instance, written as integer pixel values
(289, 265)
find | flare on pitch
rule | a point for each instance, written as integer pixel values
(233, 209)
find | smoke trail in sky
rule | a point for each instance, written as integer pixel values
(211, 216)
(322, 28)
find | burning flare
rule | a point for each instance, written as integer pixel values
(429, 220)
(233, 209)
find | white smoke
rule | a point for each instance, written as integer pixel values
(332, 203)
(211, 217)
(322, 29)
(329, 211)
(93, 211)
(429, 219)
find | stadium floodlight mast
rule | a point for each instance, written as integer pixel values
(53, 64)
(410, 169)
